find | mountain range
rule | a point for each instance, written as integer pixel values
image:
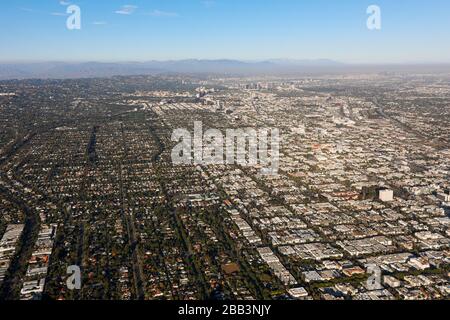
(63, 70)
(68, 70)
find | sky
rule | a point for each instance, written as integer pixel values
(412, 31)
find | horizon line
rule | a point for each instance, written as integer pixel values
(287, 60)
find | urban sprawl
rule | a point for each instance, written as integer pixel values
(358, 209)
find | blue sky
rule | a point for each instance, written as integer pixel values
(139, 30)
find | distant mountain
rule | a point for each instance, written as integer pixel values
(307, 63)
(208, 66)
(13, 72)
(62, 70)
(96, 69)
(279, 67)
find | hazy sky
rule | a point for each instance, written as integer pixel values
(113, 30)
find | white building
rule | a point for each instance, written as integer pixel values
(386, 195)
(391, 282)
(298, 293)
